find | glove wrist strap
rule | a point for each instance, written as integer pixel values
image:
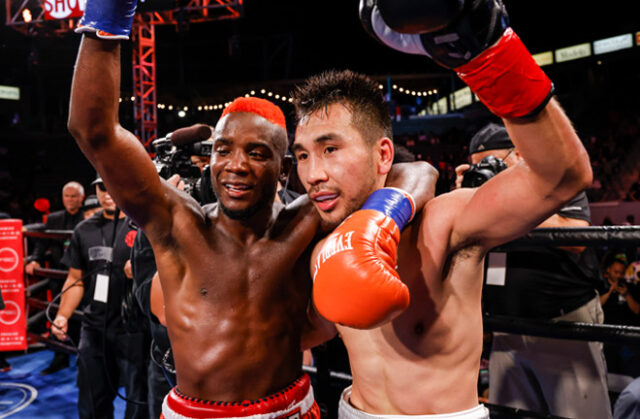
(507, 79)
(394, 203)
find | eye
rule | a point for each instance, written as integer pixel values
(222, 151)
(330, 149)
(301, 156)
(257, 155)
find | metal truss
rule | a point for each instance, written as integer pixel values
(143, 37)
(144, 79)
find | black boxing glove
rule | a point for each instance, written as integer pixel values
(471, 37)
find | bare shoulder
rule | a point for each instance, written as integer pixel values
(299, 214)
(186, 216)
(439, 216)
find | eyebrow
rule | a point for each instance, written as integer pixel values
(319, 140)
(252, 144)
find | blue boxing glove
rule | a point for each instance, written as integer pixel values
(108, 19)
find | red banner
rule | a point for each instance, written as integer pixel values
(63, 9)
(13, 319)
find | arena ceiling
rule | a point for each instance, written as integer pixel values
(281, 41)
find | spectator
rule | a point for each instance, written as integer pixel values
(90, 206)
(628, 403)
(619, 300)
(51, 250)
(66, 219)
(107, 352)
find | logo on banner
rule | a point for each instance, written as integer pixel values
(63, 9)
(8, 259)
(10, 314)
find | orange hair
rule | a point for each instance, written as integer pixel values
(261, 107)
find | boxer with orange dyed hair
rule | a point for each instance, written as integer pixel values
(234, 274)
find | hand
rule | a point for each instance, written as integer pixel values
(176, 182)
(622, 288)
(60, 327)
(128, 272)
(31, 266)
(460, 171)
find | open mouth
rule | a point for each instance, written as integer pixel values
(325, 201)
(237, 190)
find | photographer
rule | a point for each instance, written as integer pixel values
(619, 300)
(541, 282)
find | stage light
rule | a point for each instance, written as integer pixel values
(26, 15)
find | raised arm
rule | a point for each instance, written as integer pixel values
(554, 169)
(474, 39)
(116, 153)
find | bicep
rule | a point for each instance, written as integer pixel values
(504, 208)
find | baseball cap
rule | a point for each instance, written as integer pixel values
(97, 180)
(490, 137)
(90, 201)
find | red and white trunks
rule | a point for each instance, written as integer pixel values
(294, 401)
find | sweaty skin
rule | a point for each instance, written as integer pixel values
(425, 361)
(236, 287)
(236, 291)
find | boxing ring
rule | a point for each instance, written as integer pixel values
(327, 381)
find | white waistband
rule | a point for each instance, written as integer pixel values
(304, 405)
(347, 411)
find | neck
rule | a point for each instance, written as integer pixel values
(249, 230)
(73, 211)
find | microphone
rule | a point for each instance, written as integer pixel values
(189, 135)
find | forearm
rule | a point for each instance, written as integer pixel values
(93, 109)
(632, 303)
(73, 290)
(557, 161)
(418, 178)
(604, 298)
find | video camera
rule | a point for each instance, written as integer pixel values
(173, 156)
(481, 172)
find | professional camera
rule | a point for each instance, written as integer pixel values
(482, 172)
(173, 156)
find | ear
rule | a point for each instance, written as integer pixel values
(385, 153)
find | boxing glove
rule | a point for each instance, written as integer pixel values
(108, 19)
(473, 38)
(355, 278)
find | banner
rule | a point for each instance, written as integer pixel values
(13, 319)
(63, 9)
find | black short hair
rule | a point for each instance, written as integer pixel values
(359, 93)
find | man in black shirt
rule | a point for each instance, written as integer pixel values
(562, 377)
(107, 353)
(53, 249)
(66, 219)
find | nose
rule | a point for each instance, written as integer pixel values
(238, 163)
(315, 171)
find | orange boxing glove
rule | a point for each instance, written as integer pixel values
(355, 278)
